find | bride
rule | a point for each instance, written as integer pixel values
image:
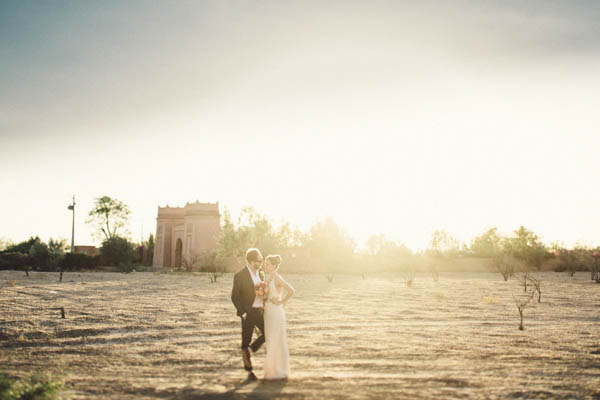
(277, 359)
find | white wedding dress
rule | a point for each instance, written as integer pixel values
(277, 365)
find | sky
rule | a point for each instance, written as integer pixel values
(391, 117)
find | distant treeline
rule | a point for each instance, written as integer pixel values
(35, 254)
(324, 248)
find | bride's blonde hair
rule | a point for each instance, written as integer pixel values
(274, 260)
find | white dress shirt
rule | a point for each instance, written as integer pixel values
(258, 302)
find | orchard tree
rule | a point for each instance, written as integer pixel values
(109, 215)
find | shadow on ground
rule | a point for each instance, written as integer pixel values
(246, 389)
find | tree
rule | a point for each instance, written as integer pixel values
(596, 266)
(209, 265)
(145, 251)
(387, 252)
(39, 254)
(254, 230)
(375, 243)
(109, 215)
(5, 244)
(23, 247)
(488, 244)
(330, 245)
(443, 244)
(526, 246)
(522, 302)
(289, 237)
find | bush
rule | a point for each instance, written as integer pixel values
(117, 251)
(36, 387)
(14, 260)
(560, 268)
(79, 261)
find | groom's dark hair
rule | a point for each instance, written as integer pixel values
(253, 255)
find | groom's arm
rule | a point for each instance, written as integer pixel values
(236, 296)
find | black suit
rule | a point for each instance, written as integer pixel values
(242, 296)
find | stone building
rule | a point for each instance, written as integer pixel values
(190, 231)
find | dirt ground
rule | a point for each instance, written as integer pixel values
(147, 335)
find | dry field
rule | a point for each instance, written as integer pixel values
(143, 335)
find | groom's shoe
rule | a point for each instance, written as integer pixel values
(247, 361)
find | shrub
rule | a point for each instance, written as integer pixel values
(117, 251)
(79, 261)
(36, 387)
(14, 260)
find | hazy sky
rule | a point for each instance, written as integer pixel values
(391, 117)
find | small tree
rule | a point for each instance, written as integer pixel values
(435, 274)
(189, 261)
(567, 259)
(595, 266)
(408, 274)
(537, 286)
(522, 302)
(505, 264)
(209, 264)
(56, 250)
(530, 281)
(571, 261)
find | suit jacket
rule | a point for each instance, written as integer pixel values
(242, 294)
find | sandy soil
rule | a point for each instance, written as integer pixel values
(143, 335)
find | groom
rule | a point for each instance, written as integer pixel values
(249, 306)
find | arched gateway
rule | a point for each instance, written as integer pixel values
(185, 231)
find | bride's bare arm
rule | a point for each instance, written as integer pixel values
(289, 290)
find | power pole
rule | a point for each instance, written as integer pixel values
(72, 208)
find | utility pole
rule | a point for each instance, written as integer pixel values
(72, 208)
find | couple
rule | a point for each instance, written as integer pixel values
(258, 297)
